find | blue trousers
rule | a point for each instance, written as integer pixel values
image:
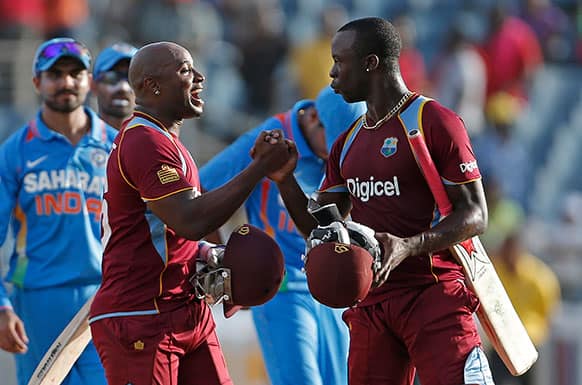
(45, 314)
(303, 341)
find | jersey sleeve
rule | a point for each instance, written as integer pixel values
(151, 163)
(449, 144)
(332, 180)
(230, 161)
(9, 185)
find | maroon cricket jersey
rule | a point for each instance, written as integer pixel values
(388, 192)
(145, 264)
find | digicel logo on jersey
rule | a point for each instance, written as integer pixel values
(366, 189)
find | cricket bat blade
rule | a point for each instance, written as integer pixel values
(496, 312)
(65, 350)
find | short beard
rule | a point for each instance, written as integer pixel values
(64, 108)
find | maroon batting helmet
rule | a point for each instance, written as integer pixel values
(257, 268)
(339, 275)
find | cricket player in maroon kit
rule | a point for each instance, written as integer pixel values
(419, 315)
(146, 323)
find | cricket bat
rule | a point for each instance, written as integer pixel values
(65, 350)
(496, 312)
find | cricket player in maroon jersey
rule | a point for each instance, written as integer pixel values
(147, 325)
(419, 314)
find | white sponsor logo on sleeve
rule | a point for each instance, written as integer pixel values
(468, 166)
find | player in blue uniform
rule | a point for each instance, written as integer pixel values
(115, 98)
(52, 172)
(303, 342)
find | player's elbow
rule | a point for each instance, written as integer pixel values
(474, 219)
(481, 219)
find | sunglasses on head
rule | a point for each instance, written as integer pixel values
(63, 48)
(111, 77)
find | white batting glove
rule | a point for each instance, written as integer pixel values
(334, 232)
(363, 236)
(210, 254)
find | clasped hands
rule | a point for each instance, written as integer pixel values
(276, 155)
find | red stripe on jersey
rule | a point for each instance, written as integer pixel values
(32, 131)
(285, 119)
(265, 186)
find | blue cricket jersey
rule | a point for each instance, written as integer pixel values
(50, 194)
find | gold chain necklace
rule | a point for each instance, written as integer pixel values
(391, 113)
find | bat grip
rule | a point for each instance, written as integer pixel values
(430, 172)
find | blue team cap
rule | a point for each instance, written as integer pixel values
(52, 50)
(111, 55)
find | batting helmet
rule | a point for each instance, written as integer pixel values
(249, 273)
(257, 267)
(339, 275)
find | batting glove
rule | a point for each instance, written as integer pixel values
(210, 254)
(363, 236)
(334, 232)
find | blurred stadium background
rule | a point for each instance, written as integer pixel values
(523, 112)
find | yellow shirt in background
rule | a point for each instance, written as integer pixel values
(535, 292)
(311, 63)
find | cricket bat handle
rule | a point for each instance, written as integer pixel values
(430, 172)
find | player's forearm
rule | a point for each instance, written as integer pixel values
(468, 218)
(457, 227)
(214, 208)
(296, 204)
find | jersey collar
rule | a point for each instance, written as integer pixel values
(98, 131)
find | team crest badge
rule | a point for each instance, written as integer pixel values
(138, 345)
(389, 147)
(98, 158)
(167, 174)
